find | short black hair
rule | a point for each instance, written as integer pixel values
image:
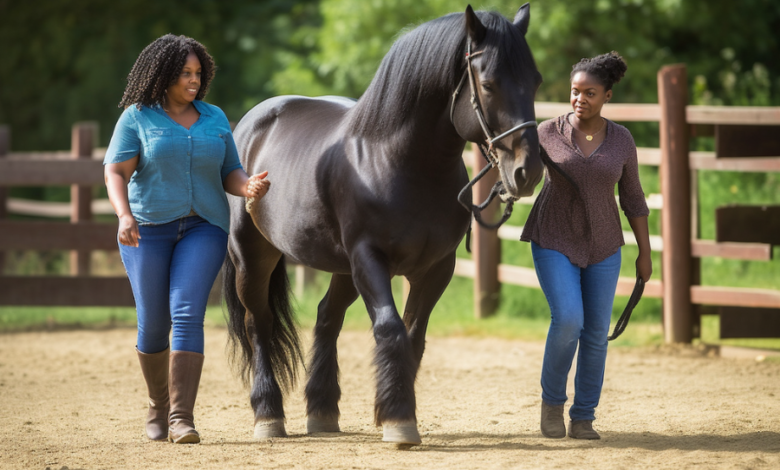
(159, 66)
(607, 68)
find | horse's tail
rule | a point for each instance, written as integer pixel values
(284, 349)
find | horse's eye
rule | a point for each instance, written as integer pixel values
(487, 87)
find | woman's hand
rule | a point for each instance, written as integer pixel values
(128, 231)
(257, 186)
(644, 266)
(117, 176)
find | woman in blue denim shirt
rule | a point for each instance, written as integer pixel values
(170, 161)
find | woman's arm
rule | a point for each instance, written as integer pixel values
(238, 183)
(117, 175)
(644, 263)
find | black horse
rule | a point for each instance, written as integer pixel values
(368, 190)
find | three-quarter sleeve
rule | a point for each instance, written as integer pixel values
(632, 198)
(125, 142)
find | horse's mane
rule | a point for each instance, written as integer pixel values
(429, 61)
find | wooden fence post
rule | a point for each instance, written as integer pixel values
(83, 137)
(5, 146)
(676, 214)
(485, 244)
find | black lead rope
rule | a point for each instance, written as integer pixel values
(622, 322)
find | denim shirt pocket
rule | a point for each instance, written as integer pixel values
(215, 143)
(159, 143)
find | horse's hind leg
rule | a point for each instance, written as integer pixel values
(322, 389)
(255, 260)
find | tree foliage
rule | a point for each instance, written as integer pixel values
(729, 51)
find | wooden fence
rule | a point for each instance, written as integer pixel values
(82, 169)
(681, 248)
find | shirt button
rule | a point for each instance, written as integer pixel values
(189, 137)
(188, 153)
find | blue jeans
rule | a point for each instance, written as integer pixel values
(580, 306)
(171, 273)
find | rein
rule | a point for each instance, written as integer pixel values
(487, 151)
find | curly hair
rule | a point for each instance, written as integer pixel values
(159, 66)
(608, 68)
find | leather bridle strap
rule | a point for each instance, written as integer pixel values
(490, 137)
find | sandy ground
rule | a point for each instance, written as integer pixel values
(76, 400)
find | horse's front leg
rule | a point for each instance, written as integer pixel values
(322, 389)
(395, 403)
(425, 290)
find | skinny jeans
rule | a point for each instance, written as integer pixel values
(171, 273)
(580, 302)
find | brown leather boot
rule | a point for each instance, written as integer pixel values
(183, 385)
(155, 370)
(552, 421)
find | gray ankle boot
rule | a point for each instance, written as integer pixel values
(553, 425)
(582, 430)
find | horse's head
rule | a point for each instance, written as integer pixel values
(502, 82)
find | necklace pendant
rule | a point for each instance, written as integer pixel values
(588, 138)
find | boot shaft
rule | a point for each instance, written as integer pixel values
(184, 379)
(154, 368)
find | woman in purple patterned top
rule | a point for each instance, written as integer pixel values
(576, 235)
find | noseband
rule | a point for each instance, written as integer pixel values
(486, 149)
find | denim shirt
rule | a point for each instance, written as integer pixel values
(179, 170)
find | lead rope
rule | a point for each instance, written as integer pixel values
(622, 322)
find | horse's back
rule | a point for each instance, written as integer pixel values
(287, 115)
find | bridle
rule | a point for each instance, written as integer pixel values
(487, 149)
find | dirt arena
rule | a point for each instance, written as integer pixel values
(75, 400)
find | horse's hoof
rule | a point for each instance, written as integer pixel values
(270, 428)
(314, 424)
(403, 434)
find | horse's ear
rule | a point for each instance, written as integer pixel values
(476, 30)
(522, 18)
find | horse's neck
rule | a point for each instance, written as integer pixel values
(427, 141)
